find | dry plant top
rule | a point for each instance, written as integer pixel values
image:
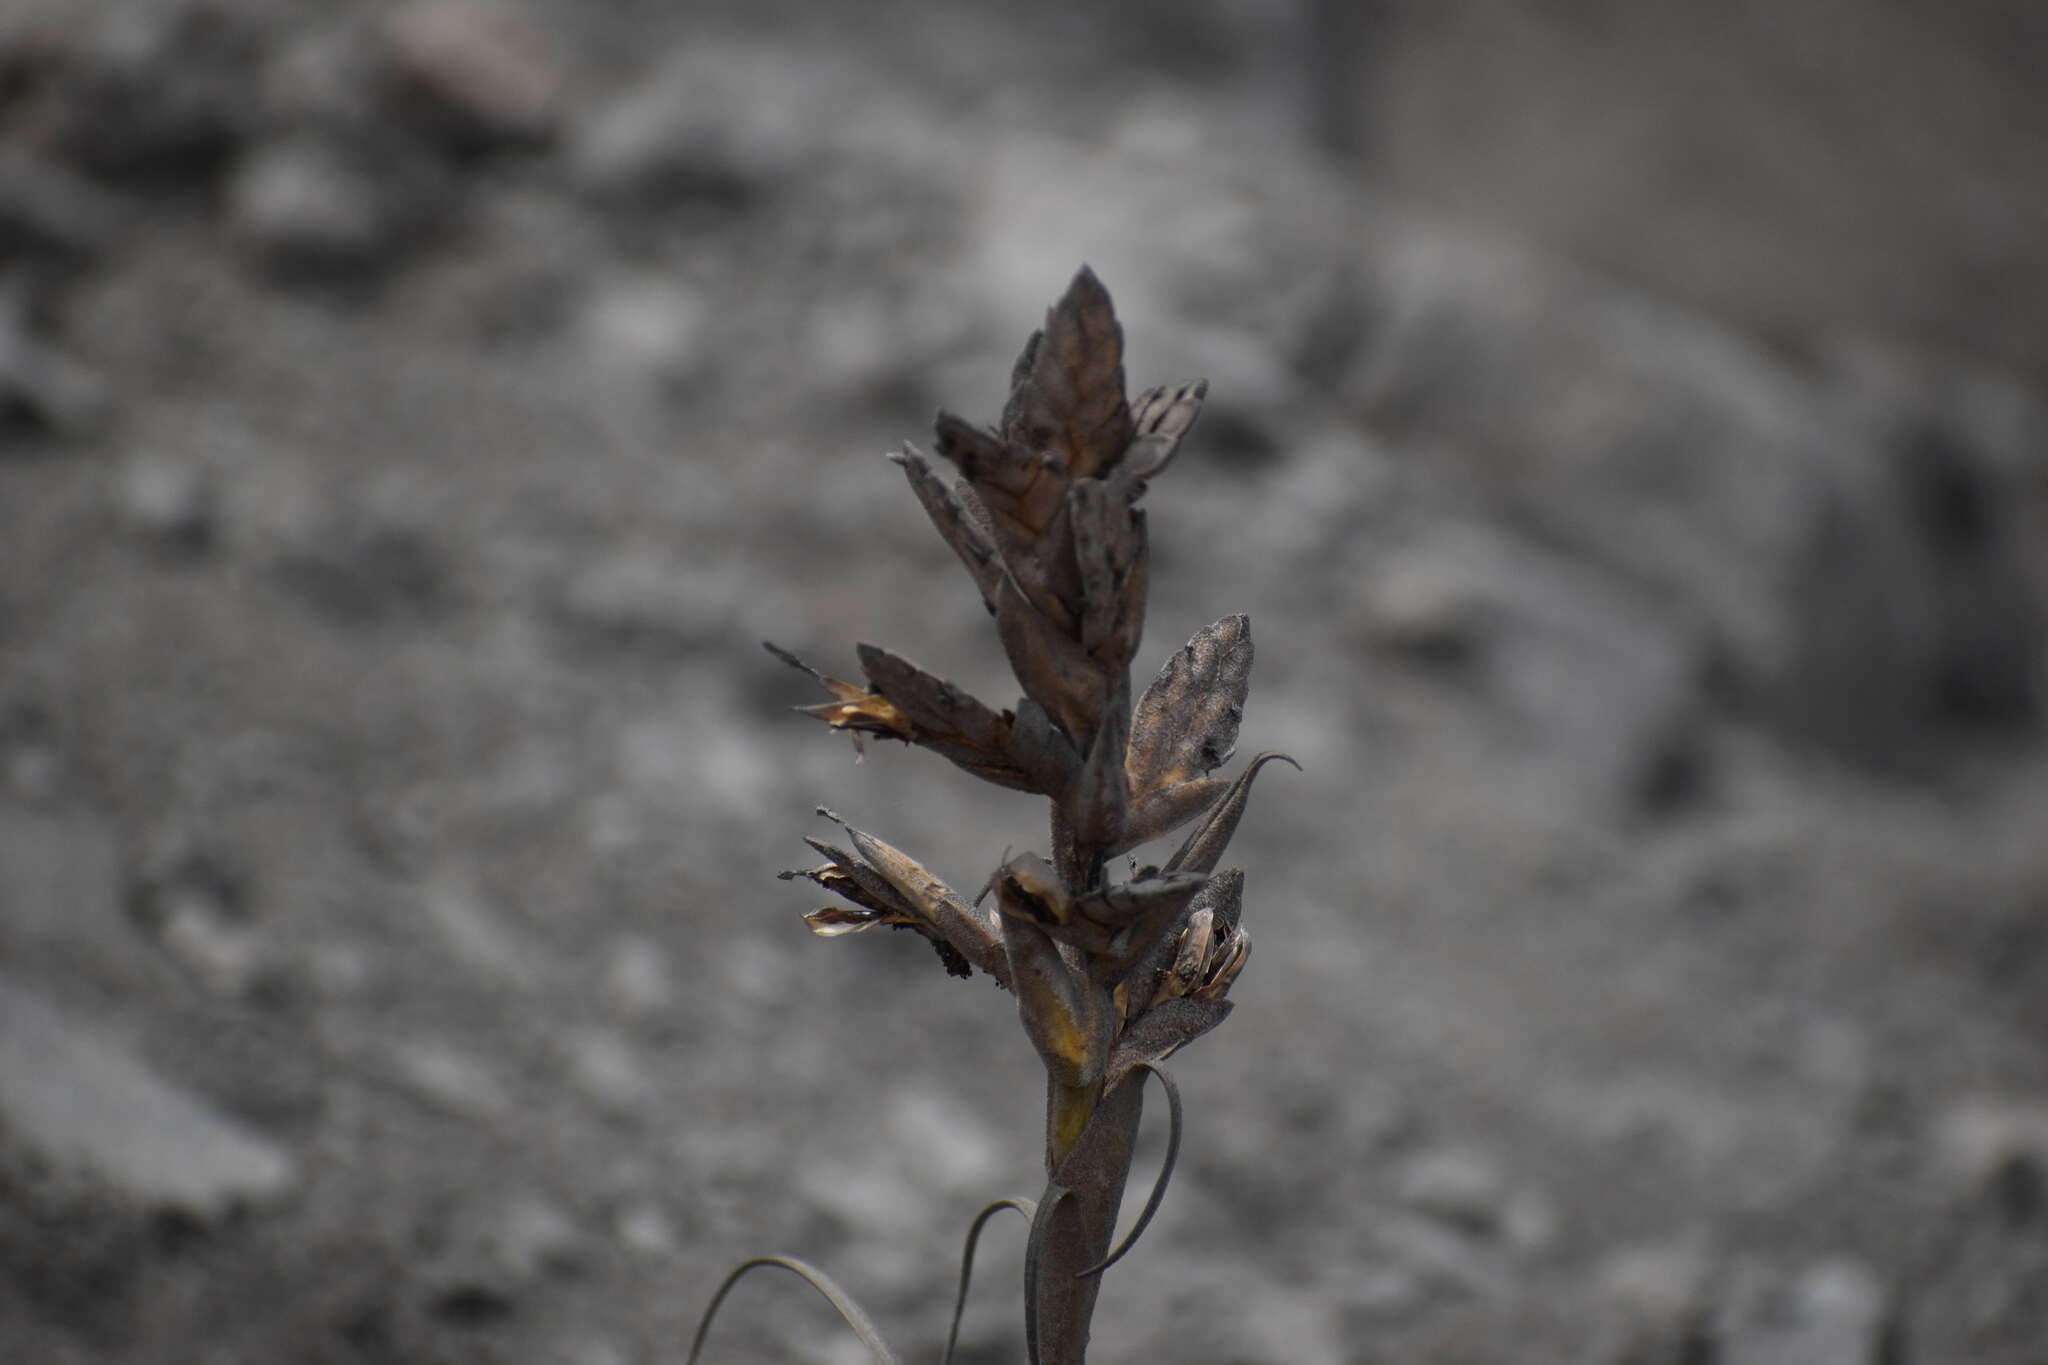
(1110, 976)
(1044, 516)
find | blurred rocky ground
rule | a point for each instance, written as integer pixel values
(1626, 434)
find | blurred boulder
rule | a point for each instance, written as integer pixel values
(50, 214)
(473, 77)
(316, 209)
(74, 1092)
(1834, 1312)
(151, 97)
(1599, 686)
(1672, 457)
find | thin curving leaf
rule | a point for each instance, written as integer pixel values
(1071, 401)
(1186, 723)
(1158, 1196)
(848, 1308)
(1204, 847)
(1027, 1207)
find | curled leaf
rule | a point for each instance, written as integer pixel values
(1204, 847)
(849, 1310)
(1027, 1207)
(1166, 1165)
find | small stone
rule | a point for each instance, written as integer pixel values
(70, 1090)
(479, 939)
(646, 1227)
(1461, 1188)
(309, 209)
(168, 503)
(475, 76)
(1996, 1147)
(224, 957)
(654, 331)
(450, 1079)
(639, 980)
(530, 1237)
(609, 1071)
(1831, 1313)
(48, 212)
(43, 392)
(716, 128)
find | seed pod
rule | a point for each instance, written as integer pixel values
(1226, 960)
(1189, 959)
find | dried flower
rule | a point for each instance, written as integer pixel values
(1110, 976)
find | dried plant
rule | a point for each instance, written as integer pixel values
(1111, 977)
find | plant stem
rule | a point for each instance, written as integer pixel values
(1086, 1191)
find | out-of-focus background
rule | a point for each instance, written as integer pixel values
(1626, 436)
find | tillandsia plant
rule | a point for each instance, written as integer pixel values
(1111, 975)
